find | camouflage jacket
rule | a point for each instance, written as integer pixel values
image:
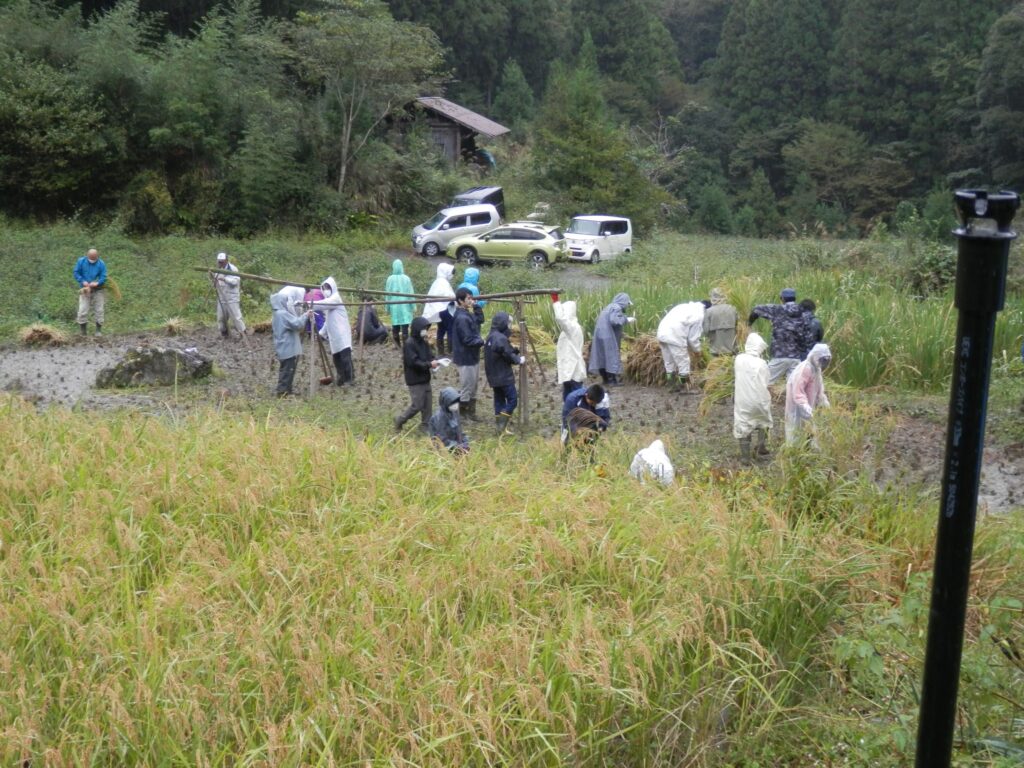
(790, 330)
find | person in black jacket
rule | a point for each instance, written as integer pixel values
(418, 363)
(499, 357)
(466, 345)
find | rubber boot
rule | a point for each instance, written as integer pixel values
(503, 423)
(670, 382)
(82, 327)
(470, 410)
(99, 329)
(762, 449)
(744, 449)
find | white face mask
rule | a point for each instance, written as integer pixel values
(453, 408)
(423, 333)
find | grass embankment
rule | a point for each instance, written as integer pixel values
(226, 591)
(881, 334)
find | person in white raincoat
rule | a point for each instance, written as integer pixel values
(294, 296)
(679, 332)
(437, 311)
(652, 461)
(752, 410)
(805, 391)
(572, 369)
(336, 330)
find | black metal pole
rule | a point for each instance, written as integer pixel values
(983, 247)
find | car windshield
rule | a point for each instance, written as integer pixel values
(555, 234)
(584, 227)
(436, 219)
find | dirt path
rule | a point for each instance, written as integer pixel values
(247, 373)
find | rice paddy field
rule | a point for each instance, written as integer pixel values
(263, 587)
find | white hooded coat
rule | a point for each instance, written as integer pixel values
(805, 391)
(683, 326)
(336, 328)
(652, 461)
(569, 349)
(441, 286)
(753, 401)
(293, 296)
(228, 286)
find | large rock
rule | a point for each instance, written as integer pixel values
(155, 365)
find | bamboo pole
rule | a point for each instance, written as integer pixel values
(524, 378)
(341, 289)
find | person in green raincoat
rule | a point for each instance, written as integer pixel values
(401, 314)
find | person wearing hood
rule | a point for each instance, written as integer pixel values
(653, 462)
(789, 331)
(401, 314)
(679, 334)
(312, 296)
(294, 296)
(604, 347)
(373, 330)
(444, 427)
(466, 346)
(418, 363)
(229, 297)
(572, 369)
(471, 282)
(438, 311)
(336, 330)
(499, 357)
(720, 322)
(286, 327)
(805, 391)
(752, 402)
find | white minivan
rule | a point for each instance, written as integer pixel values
(432, 237)
(592, 238)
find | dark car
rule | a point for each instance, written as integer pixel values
(481, 195)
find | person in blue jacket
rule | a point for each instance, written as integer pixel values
(499, 357)
(471, 282)
(444, 428)
(585, 413)
(91, 275)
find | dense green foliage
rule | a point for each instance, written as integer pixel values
(754, 116)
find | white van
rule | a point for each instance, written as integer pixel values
(592, 238)
(432, 237)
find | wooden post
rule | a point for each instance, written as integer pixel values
(310, 361)
(362, 324)
(524, 378)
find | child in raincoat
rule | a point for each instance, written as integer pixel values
(437, 311)
(653, 462)
(805, 391)
(286, 327)
(401, 314)
(752, 409)
(572, 369)
(444, 428)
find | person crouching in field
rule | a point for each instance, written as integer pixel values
(499, 357)
(286, 328)
(418, 364)
(444, 428)
(752, 409)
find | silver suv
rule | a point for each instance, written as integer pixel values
(432, 237)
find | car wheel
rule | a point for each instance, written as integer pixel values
(595, 257)
(431, 250)
(538, 259)
(466, 255)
